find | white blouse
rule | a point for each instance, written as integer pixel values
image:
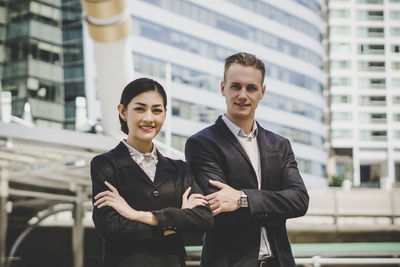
(148, 161)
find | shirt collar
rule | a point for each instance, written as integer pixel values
(238, 131)
(138, 156)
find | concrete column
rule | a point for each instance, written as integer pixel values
(5, 106)
(3, 216)
(78, 230)
(109, 25)
(356, 167)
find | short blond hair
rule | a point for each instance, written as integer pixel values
(245, 59)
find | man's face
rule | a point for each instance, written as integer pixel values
(242, 89)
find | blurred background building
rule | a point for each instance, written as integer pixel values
(196, 36)
(364, 56)
(42, 59)
(44, 66)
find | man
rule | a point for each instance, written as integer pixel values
(249, 174)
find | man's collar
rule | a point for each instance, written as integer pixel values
(238, 131)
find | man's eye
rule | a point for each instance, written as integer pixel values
(251, 88)
(236, 86)
(157, 110)
(139, 109)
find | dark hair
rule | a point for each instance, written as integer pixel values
(245, 59)
(134, 89)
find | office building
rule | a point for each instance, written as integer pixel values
(41, 59)
(364, 44)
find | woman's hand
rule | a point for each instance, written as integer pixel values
(113, 199)
(192, 201)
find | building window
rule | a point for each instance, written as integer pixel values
(396, 100)
(396, 65)
(340, 64)
(339, 30)
(396, 135)
(372, 117)
(339, 47)
(396, 117)
(370, 14)
(366, 135)
(339, 13)
(369, 49)
(370, 32)
(341, 99)
(396, 48)
(342, 134)
(372, 100)
(340, 81)
(395, 31)
(396, 83)
(371, 83)
(395, 14)
(371, 66)
(341, 116)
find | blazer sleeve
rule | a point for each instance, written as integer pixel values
(186, 220)
(291, 200)
(205, 165)
(109, 223)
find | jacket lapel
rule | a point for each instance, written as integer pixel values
(224, 130)
(124, 160)
(163, 171)
(262, 148)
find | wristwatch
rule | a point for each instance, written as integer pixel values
(243, 201)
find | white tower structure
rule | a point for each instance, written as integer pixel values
(364, 38)
(109, 26)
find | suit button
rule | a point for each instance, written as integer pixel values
(156, 193)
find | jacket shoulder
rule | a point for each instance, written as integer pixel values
(207, 133)
(105, 158)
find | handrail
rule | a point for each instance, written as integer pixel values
(359, 202)
(318, 261)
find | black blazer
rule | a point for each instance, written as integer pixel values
(131, 243)
(215, 153)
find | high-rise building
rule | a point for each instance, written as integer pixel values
(195, 37)
(41, 58)
(364, 55)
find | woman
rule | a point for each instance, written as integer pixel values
(141, 198)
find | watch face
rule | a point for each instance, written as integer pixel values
(243, 202)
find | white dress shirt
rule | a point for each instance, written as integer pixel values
(250, 146)
(148, 161)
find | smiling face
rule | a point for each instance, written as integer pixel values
(242, 88)
(144, 115)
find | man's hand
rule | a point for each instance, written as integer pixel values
(225, 200)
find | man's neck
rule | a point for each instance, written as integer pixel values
(246, 124)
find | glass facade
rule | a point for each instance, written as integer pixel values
(232, 26)
(37, 65)
(266, 10)
(204, 81)
(214, 51)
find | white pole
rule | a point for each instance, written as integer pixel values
(109, 25)
(168, 120)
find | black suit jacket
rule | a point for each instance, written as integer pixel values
(215, 153)
(131, 243)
